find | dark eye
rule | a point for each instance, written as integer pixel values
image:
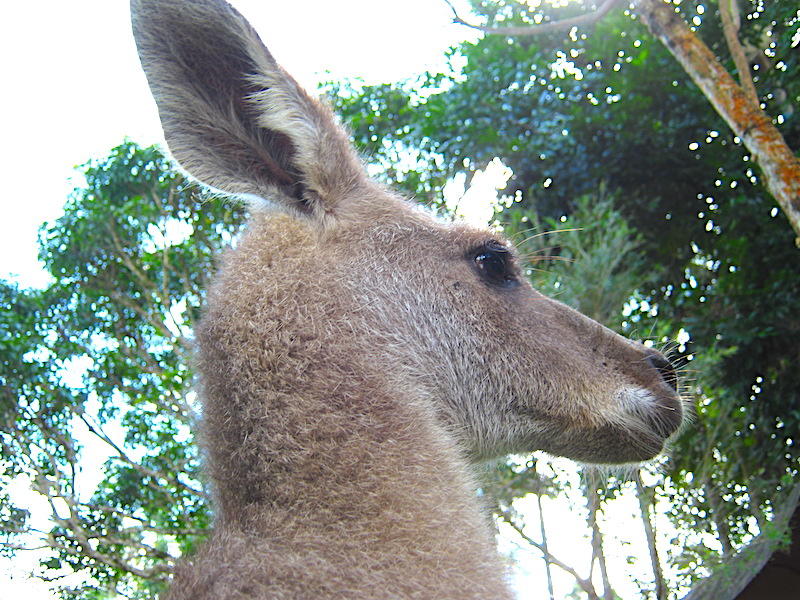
(493, 261)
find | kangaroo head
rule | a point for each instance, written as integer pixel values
(341, 281)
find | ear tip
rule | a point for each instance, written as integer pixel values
(234, 119)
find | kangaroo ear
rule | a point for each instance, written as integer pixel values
(233, 118)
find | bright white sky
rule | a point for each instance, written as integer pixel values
(74, 88)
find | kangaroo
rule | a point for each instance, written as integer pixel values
(356, 354)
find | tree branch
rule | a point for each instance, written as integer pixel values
(122, 456)
(75, 531)
(740, 569)
(729, 13)
(779, 165)
(585, 584)
(738, 106)
(645, 505)
(593, 506)
(158, 571)
(543, 533)
(588, 18)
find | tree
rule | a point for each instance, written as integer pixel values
(738, 104)
(96, 365)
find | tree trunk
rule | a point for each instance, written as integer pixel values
(728, 582)
(719, 515)
(593, 502)
(779, 165)
(645, 502)
(546, 555)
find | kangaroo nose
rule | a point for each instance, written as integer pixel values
(665, 368)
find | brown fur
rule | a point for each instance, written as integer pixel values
(355, 357)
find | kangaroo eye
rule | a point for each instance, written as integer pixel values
(493, 261)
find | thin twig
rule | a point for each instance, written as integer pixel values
(585, 584)
(729, 13)
(585, 19)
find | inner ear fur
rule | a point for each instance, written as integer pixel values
(232, 117)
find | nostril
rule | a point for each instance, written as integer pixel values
(665, 368)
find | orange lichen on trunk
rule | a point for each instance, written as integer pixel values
(779, 165)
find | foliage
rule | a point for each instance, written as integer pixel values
(95, 371)
(591, 260)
